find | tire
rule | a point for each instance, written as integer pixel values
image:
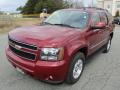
(118, 23)
(76, 68)
(108, 46)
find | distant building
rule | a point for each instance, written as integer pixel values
(16, 15)
(111, 5)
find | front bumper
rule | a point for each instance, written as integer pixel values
(43, 70)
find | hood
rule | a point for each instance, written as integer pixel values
(43, 35)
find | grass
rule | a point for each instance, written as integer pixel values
(10, 24)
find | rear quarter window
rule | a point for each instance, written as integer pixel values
(95, 18)
(109, 16)
(103, 17)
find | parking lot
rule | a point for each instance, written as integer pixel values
(102, 72)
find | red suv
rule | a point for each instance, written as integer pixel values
(56, 50)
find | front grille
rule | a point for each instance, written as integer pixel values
(18, 48)
(22, 54)
(32, 47)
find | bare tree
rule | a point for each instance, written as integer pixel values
(78, 4)
(75, 3)
(92, 4)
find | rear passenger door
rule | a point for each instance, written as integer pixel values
(104, 32)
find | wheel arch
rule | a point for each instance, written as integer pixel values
(111, 35)
(84, 50)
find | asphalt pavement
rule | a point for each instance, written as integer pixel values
(102, 72)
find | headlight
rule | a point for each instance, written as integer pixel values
(52, 53)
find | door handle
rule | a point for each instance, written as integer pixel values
(107, 26)
(96, 30)
(100, 31)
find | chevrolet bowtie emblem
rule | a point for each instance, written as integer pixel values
(18, 47)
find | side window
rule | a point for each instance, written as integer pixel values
(110, 18)
(103, 17)
(95, 18)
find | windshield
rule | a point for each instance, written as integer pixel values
(75, 19)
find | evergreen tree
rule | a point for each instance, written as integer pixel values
(36, 6)
(29, 7)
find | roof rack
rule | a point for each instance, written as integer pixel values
(93, 8)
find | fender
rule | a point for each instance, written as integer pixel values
(76, 47)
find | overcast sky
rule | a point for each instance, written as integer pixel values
(11, 5)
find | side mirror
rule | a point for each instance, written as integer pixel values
(99, 25)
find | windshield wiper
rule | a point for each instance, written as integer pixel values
(59, 24)
(48, 23)
(65, 25)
